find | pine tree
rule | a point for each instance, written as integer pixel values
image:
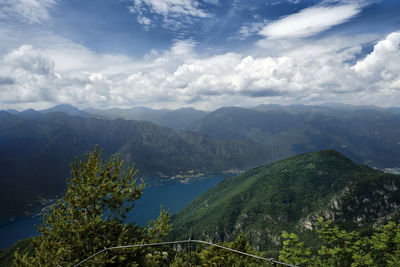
(343, 248)
(216, 256)
(90, 216)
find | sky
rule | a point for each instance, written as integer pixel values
(198, 53)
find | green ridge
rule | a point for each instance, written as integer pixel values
(289, 195)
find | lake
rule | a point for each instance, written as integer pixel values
(173, 196)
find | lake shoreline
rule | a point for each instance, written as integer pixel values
(172, 194)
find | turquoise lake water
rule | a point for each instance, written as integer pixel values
(173, 196)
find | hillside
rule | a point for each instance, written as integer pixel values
(367, 135)
(289, 195)
(176, 119)
(36, 150)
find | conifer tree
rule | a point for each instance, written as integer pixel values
(215, 256)
(339, 247)
(90, 216)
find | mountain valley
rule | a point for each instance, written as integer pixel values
(36, 148)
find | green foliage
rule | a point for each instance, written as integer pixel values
(220, 257)
(385, 243)
(338, 245)
(90, 216)
(280, 196)
(157, 258)
(23, 246)
(215, 256)
(343, 248)
(293, 250)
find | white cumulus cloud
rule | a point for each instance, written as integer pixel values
(381, 69)
(383, 59)
(32, 75)
(310, 73)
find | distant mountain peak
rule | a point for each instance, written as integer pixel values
(65, 108)
(29, 111)
(12, 111)
(5, 113)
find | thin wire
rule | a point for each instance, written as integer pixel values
(270, 260)
(150, 244)
(97, 253)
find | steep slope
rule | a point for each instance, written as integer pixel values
(36, 151)
(367, 135)
(176, 119)
(242, 123)
(289, 195)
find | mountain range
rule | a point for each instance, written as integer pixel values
(176, 119)
(36, 147)
(291, 195)
(365, 134)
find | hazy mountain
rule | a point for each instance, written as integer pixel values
(29, 114)
(242, 123)
(36, 150)
(177, 119)
(12, 111)
(67, 109)
(327, 108)
(394, 110)
(289, 195)
(367, 135)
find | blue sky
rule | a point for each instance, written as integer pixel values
(200, 53)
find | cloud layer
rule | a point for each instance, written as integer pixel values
(29, 11)
(175, 13)
(180, 77)
(39, 68)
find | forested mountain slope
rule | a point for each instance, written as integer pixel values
(36, 150)
(176, 119)
(290, 195)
